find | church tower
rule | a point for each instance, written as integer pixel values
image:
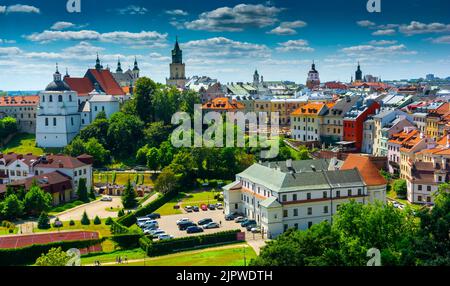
(177, 68)
(119, 66)
(358, 74)
(98, 65)
(135, 69)
(57, 118)
(313, 80)
(256, 78)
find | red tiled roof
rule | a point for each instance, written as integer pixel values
(223, 103)
(11, 157)
(29, 100)
(83, 86)
(368, 170)
(61, 161)
(53, 182)
(106, 81)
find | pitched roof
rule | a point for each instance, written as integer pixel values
(51, 182)
(60, 161)
(223, 103)
(106, 81)
(29, 100)
(369, 172)
(312, 108)
(28, 159)
(83, 86)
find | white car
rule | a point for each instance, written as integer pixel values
(219, 206)
(165, 236)
(157, 233)
(182, 220)
(106, 199)
(150, 223)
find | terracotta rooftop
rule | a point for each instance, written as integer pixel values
(312, 108)
(51, 182)
(223, 103)
(60, 161)
(83, 86)
(106, 81)
(29, 100)
(369, 172)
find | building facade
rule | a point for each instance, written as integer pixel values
(177, 68)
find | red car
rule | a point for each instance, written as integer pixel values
(204, 207)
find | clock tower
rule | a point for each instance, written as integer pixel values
(177, 68)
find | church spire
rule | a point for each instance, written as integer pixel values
(136, 68)
(119, 66)
(98, 65)
(177, 54)
(57, 75)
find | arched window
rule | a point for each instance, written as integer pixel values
(46, 121)
(70, 97)
(43, 98)
(54, 121)
(60, 98)
(50, 98)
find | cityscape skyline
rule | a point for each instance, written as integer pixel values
(226, 40)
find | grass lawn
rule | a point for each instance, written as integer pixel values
(103, 229)
(187, 199)
(393, 195)
(121, 178)
(4, 231)
(24, 143)
(230, 255)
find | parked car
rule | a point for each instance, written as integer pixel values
(154, 216)
(195, 208)
(248, 222)
(188, 209)
(158, 233)
(185, 225)
(211, 207)
(165, 237)
(194, 229)
(141, 220)
(106, 199)
(239, 219)
(151, 232)
(219, 206)
(249, 227)
(211, 225)
(150, 223)
(229, 217)
(182, 220)
(204, 207)
(204, 221)
(256, 229)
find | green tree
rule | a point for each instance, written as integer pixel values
(54, 257)
(97, 220)
(8, 126)
(97, 129)
(141, 155)
(129, 196)
(36, 200)
(152, 157)
(156, 133)
(82, 191)
(166, 181)
(143, 93)
(12, 207)
(43, 221)
(124, 134)
(85, 219)
(400, 188)
(75, 148)
(96, 150)
(166, 153)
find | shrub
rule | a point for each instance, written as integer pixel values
(127, 241)
(97, 220)
(43, 221)
(108, 221)
(57, 223)
(71, 223)
(85, 219)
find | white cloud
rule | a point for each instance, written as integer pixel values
(365, 23)
(19, 8)
(387, 32)
(9, 51)
(287, 28)
(90, 35)
(220, 47)
(132, 10)
(441, 40)
(235, 19)
(177, 12)
(383, 42)
(415, 28)
(62, 25)
(3, 41)
(294, 45)
(371, 50)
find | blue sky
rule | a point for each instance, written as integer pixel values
(225, 39)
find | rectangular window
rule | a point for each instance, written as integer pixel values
(310, 224)
(325, 209)
(295, 212)
(296, 225)
(285, 213)
(349, 192)
(429, 188)
(284, 198)
(308, 196)
(359, 192)
(325, 195)
(294, 197)
(338, 194)
(310, 211)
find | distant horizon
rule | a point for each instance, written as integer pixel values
(225, 40)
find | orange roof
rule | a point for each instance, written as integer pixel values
(223, 103)
(83, 86)
(312, 108)
(369, 172)
(443, 109)
(126, 89)
(371, 84)
(29, 100)
(106, 81)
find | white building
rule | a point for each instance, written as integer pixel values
(61, 115)
(293, 194)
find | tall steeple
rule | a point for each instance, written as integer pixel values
(358, 74)
(177, 53)
(136, 68)
(98, 65)
(57, 75)
(119, 66)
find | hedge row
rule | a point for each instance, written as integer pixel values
(117, 228)
(156, 248)
(127, 241)
(28, 255)
(130, 219)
